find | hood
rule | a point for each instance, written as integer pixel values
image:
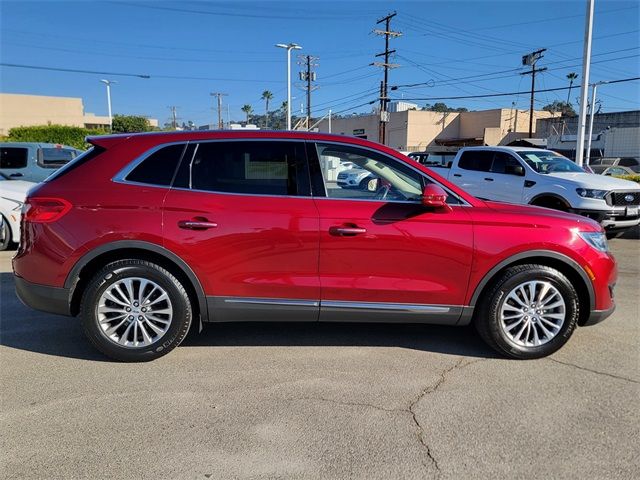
(542, 213)
(596, 182)
(15, 189)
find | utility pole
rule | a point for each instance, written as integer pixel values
(308, 76)
(531, 59)
(388, 33)
(584, 88)
(108, 83)
(174, 116)
(219, 98)
(594, 86)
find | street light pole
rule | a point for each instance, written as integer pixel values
(108, 84)
(586, 67)
(289, 47)
(594, 86)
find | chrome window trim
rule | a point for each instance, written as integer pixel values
(315, 142)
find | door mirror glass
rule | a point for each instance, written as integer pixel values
(434, 196)
(517, 170)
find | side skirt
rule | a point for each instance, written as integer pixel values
(248, 309)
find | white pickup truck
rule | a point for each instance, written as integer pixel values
(546, 179)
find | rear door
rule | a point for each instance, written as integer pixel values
(240, 213)
(472, 173)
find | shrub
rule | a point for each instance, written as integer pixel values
(130, 124)
(634, 177)
(65, 135)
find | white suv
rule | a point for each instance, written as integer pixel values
(546, 179)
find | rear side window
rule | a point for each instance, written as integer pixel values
(56, 157)
(13, 157)
(159, 167)
(246, 167)
(476, 160)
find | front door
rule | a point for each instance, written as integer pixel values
(240, 214)
(383, 256)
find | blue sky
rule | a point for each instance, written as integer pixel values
(193, 48)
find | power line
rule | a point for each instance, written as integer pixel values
(510, 93)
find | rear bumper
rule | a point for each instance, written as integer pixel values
(597, 316)
(43, 297)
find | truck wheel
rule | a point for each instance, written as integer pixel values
(135, 311)
(530, 311)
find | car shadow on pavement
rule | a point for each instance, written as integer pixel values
(26, 329)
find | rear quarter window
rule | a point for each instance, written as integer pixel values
(13, 157)
(159, 167)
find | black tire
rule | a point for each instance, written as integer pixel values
(487, 319)
(108, 277)
(5, 235)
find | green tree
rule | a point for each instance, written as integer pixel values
(247, 109)
(565, 108)
(571, 77)
(442, 107)
(130, 124)
(266, 96)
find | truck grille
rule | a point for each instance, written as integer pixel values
(623, 199)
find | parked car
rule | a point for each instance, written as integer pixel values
(12, 195)
(546, 179)
(146, 233)
(617, 171)
(34, 162)
(435, 159)
(354, 177)
(629, 164)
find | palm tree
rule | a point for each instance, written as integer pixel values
(247, 109)
(571, 76)
(266, 96)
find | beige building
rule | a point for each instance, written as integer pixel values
(17, 110)
(418, 130)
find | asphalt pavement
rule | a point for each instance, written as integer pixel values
(321, 401)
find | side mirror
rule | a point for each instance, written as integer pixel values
(434, 196)
(518, 170)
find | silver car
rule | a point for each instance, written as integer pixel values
(34, 162)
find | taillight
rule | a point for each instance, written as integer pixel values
(44, 210)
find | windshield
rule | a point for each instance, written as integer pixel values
(545, 161)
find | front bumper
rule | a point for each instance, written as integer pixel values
(597, 316)
(43, 297)
(612, 219)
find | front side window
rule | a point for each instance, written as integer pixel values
(506, 164)
(546, 161)
(159, 167)
(246, 167)
(13, 157)
(355, 173)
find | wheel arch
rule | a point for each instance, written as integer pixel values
(90, 263)
(550, 195)
(564, 264)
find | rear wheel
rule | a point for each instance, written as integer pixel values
(135, 311)
(5, 234)
(529, 312)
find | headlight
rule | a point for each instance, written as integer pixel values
(597, 240)
(590, 193)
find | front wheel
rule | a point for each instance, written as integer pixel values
(135, 311)
(529, 312)
(5, 234)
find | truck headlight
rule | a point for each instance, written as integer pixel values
(591, 193)
(597, 240)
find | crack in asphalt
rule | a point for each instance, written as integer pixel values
(410, 409)
(597, 372)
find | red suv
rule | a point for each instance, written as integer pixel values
(146, 233)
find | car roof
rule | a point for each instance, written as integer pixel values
(507, 149)
(35, 144)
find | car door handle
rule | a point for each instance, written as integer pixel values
(489, 179)
(347, 231)
(16, 175)
(196, 224)
(457, 175)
